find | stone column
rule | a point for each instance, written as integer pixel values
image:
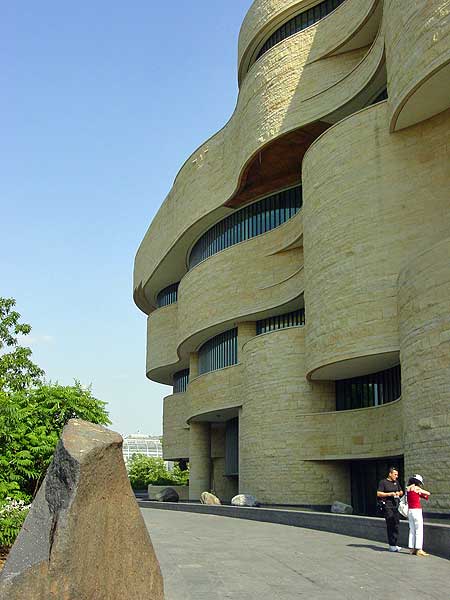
(193, 365)
(246, 331)
(424, 321)
(199, 459)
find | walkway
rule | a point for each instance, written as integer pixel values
(205, 557)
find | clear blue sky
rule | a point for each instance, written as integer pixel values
(101, 103)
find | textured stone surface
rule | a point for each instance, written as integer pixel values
(199, 459)
(176, 430)
(285, 92)
(341, 508)
(277, 400)
(167, 495)
(84, 537)
(244, 500)
(372, 200)
(328, 34)
(417, 46)
(361, 227)
(208, 498)
(424, 311)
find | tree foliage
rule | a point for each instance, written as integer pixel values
(31, 423)
(146, 470)
(17, 370)
(12, 516)
(32, 413)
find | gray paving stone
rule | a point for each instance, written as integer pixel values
(209, 556)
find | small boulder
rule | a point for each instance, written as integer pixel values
(84, 536)
(167, 495)
(341, 508)
(208, 498)
(244, 500)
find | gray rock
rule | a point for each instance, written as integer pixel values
(341, 508)
(84, 536)
(208, 498)
(244, 500)
(167, 495)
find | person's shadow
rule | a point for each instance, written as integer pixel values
(376, 548)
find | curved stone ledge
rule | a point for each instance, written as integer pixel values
(360, 227)
(280, 97)
(248, 280)
(353, 434)
(264, 273)
(162, 332)
(331, 33)
(210, 393)
(418, 60)
(176, 409)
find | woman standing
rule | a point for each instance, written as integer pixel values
(415, 493)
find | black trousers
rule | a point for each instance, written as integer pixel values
(392, 524)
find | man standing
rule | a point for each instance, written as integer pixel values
(389, 492)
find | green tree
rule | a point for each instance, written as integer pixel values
(32, 413)
(31, 423)
(146, 470)
(17, 370)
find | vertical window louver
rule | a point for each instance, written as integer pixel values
(180, 381)
(168, 295)
(246, 223)
(369, 390)
(218, 352)
(298, 23)
(292, 319)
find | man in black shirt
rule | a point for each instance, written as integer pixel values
(389, 492)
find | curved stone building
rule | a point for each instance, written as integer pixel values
(297, 276)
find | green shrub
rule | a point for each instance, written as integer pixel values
(146, 470)
(12, 516)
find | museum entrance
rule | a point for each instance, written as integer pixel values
(365, 475)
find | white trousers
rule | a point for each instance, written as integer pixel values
(415, 519)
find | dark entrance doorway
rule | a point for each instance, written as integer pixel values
(365, 475)
(232, 448)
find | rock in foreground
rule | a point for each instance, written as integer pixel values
(341, 508)
(84, 537)
(208, 498)
(167, 495)
(244, 500)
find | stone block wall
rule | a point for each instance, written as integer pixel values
(367, 255)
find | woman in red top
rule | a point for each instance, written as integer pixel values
(415, 493)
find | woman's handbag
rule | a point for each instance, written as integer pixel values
(403, 506)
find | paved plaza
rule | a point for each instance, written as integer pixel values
(207, 556)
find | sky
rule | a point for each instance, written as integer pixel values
(101, 104)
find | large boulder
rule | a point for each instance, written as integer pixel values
(208, 498)
(167, 495)
(341, 509)
(244, 500)
(84, 536)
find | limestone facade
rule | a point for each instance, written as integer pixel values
(340, 314)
